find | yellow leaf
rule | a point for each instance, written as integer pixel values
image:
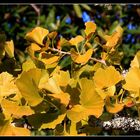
(12, 108)
(9, 130)
(62, 78)
(81, 59)
(52, 86)
(7, 85)
(51, 60)
(113, 107)
(107, 77)
(90, 27)
(132, 79)
(28, 64)
(28, 86)
(114, 38)
(37, 35)
(9, 48)
(52, 124)
(91, 102)
(106, 92)
(77, 113)
(136, 61)
(62, 96)
(32, 48)
(76, 40)
(89, 98)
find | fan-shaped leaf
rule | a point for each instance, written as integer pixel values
(106, 77)
(28, 86)
(37, 35)
(76, 40)
(90, 27)
(81, 59)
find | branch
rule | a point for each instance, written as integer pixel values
(63, 52)
(37, 10)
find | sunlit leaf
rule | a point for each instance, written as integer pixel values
(89, 98)
(114, 38)
(132, 79)
(28, 64)
(81, 59)
(76, 40)
(91, 102)
(7, 85)
(136, 61)
(90, 27)
(110, 91)
(17, 111)
(7, 129)
(9, 48)
(106, 77)
(37, 35)
(28, 86)
(62, 78)
(77, 113)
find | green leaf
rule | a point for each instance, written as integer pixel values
(78, 11)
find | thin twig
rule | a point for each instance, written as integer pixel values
(37, 10)
(63, 52)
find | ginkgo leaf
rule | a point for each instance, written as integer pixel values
(32, 48)
(77, 113)
(89, 98)
(136, 61)
(28, 86)
(110, 91)
(7, 85)
(52, 124)
(107, 77)
(12, 108)
(132, 79)
(50, 59)
(7, 129)
(81, 59)
(76, 40)
(52, 86)
(62, 78)
(113, 107)
(114, 38)
(9, 48)
(90, 27)
(62, 96)
(28, 64)
(91, 102)
(37, 35)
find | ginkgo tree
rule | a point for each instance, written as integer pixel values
(63, 83)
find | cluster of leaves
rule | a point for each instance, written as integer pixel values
(63, 83)
(18, 19)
